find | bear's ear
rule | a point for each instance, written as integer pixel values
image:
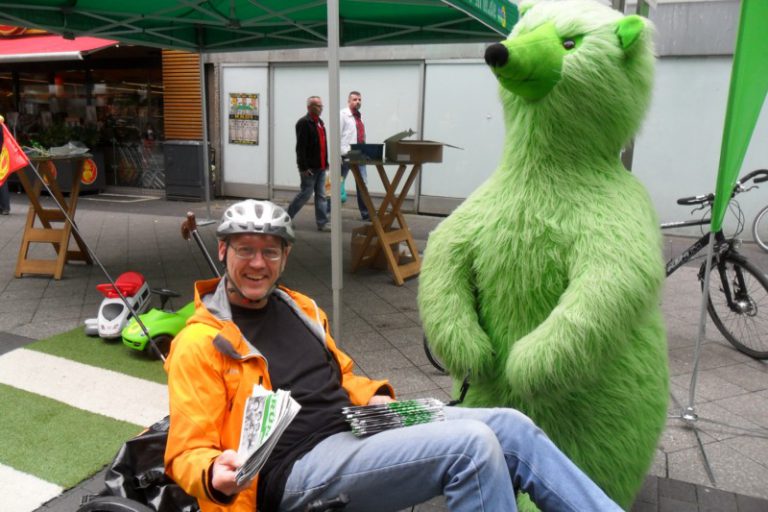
(629, 29)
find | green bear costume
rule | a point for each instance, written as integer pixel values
(544, 285)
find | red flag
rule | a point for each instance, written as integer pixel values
(12, 158)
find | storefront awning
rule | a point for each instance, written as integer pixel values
(49, 48)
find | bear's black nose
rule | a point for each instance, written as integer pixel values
(496, 55)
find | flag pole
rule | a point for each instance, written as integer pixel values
(75, 229)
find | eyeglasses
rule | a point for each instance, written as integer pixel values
(246, 252)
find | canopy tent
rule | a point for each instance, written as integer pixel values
(46, 48)
(230, 25)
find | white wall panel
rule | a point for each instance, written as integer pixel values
(678, 149)
(390, 93)
(461, 108)
(245, 167)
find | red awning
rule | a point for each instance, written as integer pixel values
(49, 47)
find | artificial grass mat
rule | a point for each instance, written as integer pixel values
(54, 441)
(94, 351)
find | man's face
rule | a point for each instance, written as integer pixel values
(254, 263)
(354, 102)
(316, 107)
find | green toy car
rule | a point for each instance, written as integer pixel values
(162, 326)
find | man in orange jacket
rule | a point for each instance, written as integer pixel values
(248, 331)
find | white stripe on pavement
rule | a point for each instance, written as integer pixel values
(86, 387)
(22, 492)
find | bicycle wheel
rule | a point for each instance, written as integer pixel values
(432, 357)
(113, 504)
(743, 319)
(760, 229)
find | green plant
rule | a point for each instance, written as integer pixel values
(54, 135)
(88, 135)
(59, 134)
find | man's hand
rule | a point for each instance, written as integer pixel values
(223, 473)
(380, 400)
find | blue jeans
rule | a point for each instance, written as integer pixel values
(477, 458)
(314, 182)
(360, 203)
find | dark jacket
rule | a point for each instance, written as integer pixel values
(308, 145)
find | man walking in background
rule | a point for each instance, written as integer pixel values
(352, 132)
(312, 160)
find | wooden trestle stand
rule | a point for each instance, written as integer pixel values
(381, 236)
(58, 237)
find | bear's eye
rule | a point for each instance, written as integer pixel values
(569, 44)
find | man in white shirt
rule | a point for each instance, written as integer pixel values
(352, 132)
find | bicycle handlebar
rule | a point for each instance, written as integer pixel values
(693, 200)
(758, 176)
(762, 173)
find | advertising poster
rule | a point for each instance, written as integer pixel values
(243, 118)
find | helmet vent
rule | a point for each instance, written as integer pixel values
(251, 216)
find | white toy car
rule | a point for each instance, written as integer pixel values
(113, 313)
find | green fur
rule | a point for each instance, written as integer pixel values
(545, 283)
(535, 63)
(629, 30)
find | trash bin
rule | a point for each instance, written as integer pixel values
(184, 170)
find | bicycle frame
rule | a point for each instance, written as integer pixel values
(722, 246)
(688, 254)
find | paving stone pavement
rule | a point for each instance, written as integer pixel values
(381, 330)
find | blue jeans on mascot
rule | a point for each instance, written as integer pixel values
(313, 181)
(501, 449)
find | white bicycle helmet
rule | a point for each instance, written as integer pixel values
(256, 217)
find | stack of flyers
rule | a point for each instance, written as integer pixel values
(266, 416)
(370, 419)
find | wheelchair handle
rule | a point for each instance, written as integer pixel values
(189, 226)
(321, 505)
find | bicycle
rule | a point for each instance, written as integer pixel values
(738, 291)
(760, 226)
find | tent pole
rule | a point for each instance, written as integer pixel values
(688, 414)
(690, 410)
(206, 160)
(334, 162)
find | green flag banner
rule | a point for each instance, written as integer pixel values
(749, 85)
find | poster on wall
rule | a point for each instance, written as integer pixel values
(243, 118)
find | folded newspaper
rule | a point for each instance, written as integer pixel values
(371, 419)
(267, 414)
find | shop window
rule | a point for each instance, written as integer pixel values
(115, 112)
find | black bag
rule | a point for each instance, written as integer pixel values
(138, 473)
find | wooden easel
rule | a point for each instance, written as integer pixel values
(58, 237)
(380, 236)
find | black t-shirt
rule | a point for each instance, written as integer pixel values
(297, 361)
